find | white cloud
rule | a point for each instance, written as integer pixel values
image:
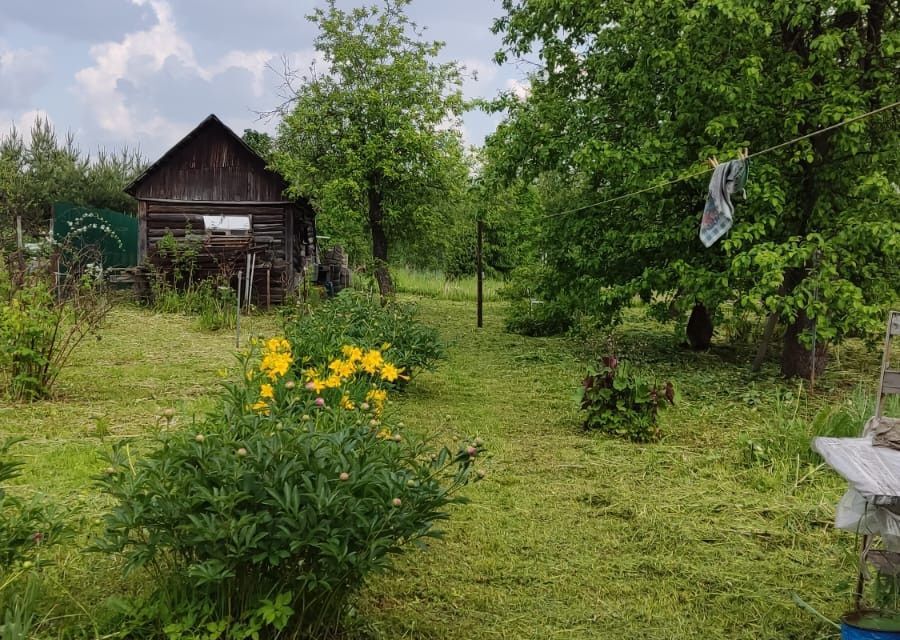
(522, 90)
(22, 123)
(22, 73)
(157, 56)
(480, 78)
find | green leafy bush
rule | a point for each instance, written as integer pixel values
(267, 518)
(359, 319)
(176, 289)
(26, 526)
(43, 319)
(529, 312)
(618, 400)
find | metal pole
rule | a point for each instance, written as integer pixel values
(480, 272)
(237, 317)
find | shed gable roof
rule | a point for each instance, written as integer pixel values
(210, 125)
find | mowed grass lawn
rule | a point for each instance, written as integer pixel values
(572, 535)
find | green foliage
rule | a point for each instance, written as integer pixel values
(622, 101)
(26, 526)
(267, 518)
(44, 171)
(175, 289)
(365, 138)
(17, 610)
(785, 435)
(43, 318)
(532, 312)
(261, 142)
(358, 318)
(622, 402)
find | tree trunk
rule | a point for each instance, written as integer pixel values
(379, 243)
(763, 348)
(700, 328)
(796, 360)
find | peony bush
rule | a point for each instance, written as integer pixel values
(267, 517)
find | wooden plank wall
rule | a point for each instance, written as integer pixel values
(212, 166)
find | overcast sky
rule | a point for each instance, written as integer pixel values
(144, 72)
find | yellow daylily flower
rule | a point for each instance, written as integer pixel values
(372, 361)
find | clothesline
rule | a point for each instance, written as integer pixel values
(705, 171)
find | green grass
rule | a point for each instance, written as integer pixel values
(571, 535)
(432, 284)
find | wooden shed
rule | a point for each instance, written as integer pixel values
(213, 190)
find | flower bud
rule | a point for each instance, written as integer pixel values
(481, 473)
(344, 476)
(320, 401)
(471, 451)
(199, 437)
(241, 452)
(364, 406)
(396, 502)
(169, 413)
(290, 384)
(310, 386)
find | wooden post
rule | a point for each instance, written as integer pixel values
(479, 227)
(268, 288)
(237, 317)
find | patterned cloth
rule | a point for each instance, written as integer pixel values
(718, 214)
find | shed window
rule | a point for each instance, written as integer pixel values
(227, 225)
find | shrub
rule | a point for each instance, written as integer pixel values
(359, 319)
(44, 318)
(268, 517)
(26, 526)
(175, 289)
(532, 310)
(618, 400)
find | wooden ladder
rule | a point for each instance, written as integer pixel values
(889, 382)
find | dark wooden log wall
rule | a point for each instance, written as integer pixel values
(270, 225)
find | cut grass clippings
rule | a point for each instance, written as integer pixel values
(572, 535)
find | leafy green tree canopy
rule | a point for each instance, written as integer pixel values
(370, 139)
(632, 94)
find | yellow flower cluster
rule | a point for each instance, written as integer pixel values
(355, 361)
(376, 399)
(276, 360)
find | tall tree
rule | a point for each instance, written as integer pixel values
(632, 94)
(371, 138)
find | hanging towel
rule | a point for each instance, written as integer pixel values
(718, 214)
